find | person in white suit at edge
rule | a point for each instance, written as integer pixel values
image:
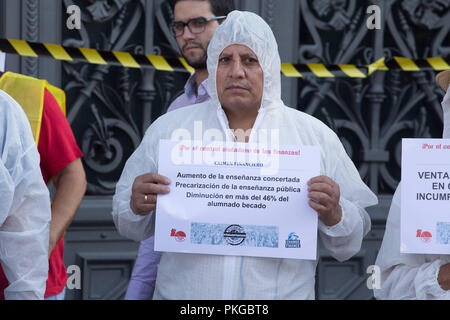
(24, 206)
(413, 276)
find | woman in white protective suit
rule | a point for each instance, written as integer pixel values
(24, 206)
(194, 276)
(413, 276)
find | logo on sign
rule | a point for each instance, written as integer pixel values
(425, 236)
(293, 241)
(179, 236)
(234, 234)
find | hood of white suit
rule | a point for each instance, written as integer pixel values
(247, 28)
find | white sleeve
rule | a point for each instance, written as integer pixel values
(24, 221)
(344, 239)
(446, 110)
(142, 161)
(406, 276)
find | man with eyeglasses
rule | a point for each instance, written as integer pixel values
(194, 24)
(193, 27)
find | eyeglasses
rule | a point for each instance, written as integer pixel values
(196, 25)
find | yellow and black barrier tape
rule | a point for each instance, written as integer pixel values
(173, 64)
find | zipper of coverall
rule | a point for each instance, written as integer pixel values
(230, 261)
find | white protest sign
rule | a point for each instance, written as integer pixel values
(237, 199)
(425, 196)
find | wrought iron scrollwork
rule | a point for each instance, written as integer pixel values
(111, 107)
(372, 115)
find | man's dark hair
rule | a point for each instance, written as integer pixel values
(218, 7)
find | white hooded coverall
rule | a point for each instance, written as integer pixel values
(24, 206)
(410, 276)
(197, 276)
